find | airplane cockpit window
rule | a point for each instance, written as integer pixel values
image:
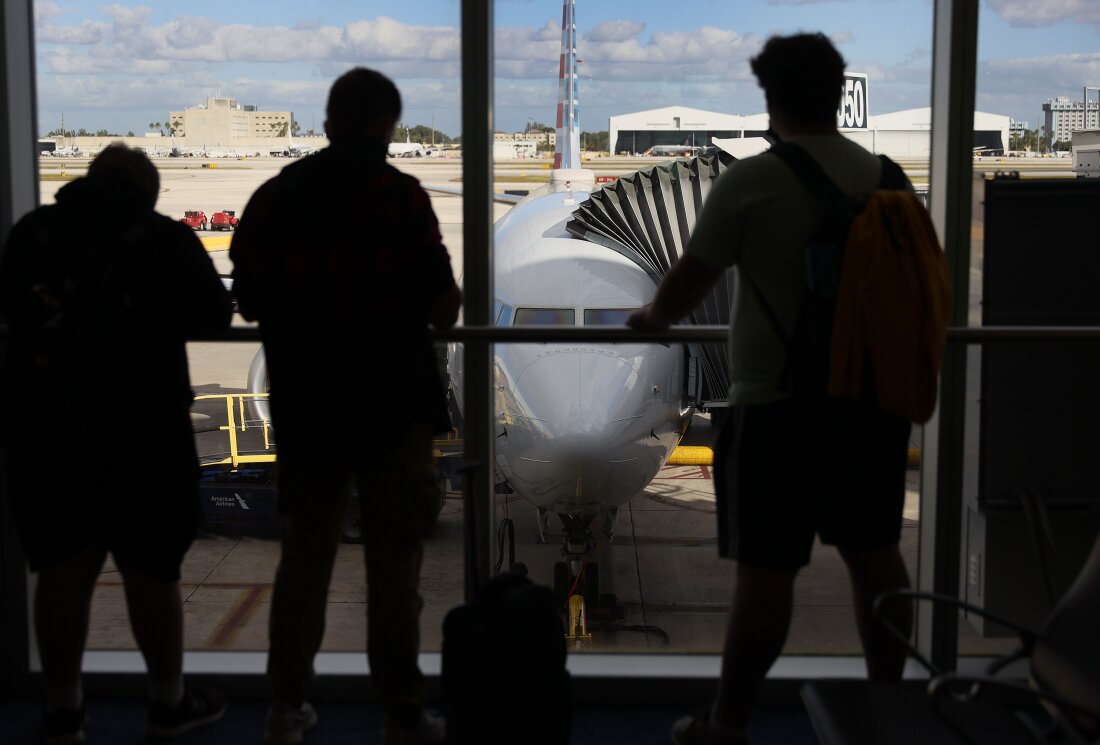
(502, 313)
(607, 316)
(545, 317)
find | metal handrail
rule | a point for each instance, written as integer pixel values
(691, 334)
(676, 334)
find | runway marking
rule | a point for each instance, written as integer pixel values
(692, 472)
(673, 608)
(238, 615)
(663, 540)
(225, 633)
(216, 242)
(677, 503)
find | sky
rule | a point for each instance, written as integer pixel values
(121, 66)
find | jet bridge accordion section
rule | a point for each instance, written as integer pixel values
(648, 217)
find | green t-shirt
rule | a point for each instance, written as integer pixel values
(759, 218)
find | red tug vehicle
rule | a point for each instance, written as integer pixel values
(224, 220)
(194, 219)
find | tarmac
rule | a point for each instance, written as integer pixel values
(663, 567)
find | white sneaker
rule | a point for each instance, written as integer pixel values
(430, 730)
(286, 724)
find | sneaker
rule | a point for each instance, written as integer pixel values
(196, 708)
(694, 729)
(286, 724)
(430, 730)
(63, 727)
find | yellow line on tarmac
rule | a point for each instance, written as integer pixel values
(216, 242)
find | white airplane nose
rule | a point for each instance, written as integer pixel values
(583, 427)
(579, 392)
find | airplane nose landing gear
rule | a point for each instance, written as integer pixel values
(577, 579)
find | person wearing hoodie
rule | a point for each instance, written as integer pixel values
(100, 294)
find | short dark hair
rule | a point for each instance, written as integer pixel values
(802, 75)
(359, 98)
(119, 163)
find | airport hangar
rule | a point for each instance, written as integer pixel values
(902, 135)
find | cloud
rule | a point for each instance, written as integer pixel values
(1025, 83)
(1046, 12)
(131, 36)
(614, 31)
(125, 60)
(401, 49)
(88, 32)
(45, 10)
(842, 37)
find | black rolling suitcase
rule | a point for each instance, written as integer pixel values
(504, 673)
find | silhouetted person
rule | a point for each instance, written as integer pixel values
(100, 293)
(341, 261)
(793, 466)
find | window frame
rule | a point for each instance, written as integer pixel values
(556, 309)
(953, 81)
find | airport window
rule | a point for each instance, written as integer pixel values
(1026, 472)
(606, 316)
(545, 317)
(502, 313)
(229, 572)
(662, 535)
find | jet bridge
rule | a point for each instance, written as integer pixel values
(648, 217)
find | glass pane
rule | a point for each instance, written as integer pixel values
(1029, 508)
(606, 316)
(588, 435)
(544, 317)
(220, 113)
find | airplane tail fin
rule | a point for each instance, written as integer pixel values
(567, 152)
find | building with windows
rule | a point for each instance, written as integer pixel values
(220, 120)
(1061, 116)
(542, 138)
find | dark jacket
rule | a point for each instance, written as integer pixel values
(339, 258)
(100, 294)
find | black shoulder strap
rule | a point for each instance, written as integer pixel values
(808, 171)
(892, 175)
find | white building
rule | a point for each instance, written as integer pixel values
(221, 121)
(908, 133)
(513, 149)
(1061, 117)
(900, 134)
(1086, 152)
(678, 125)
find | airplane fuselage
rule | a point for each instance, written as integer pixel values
(580, 428)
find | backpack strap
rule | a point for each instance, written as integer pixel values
(809, 172)
(892, 175)
(814, 177)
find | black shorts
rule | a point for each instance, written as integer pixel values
(143, 510)
(789, 470)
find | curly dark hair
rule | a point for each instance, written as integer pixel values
(802, 75)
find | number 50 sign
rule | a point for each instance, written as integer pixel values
(852, 112)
